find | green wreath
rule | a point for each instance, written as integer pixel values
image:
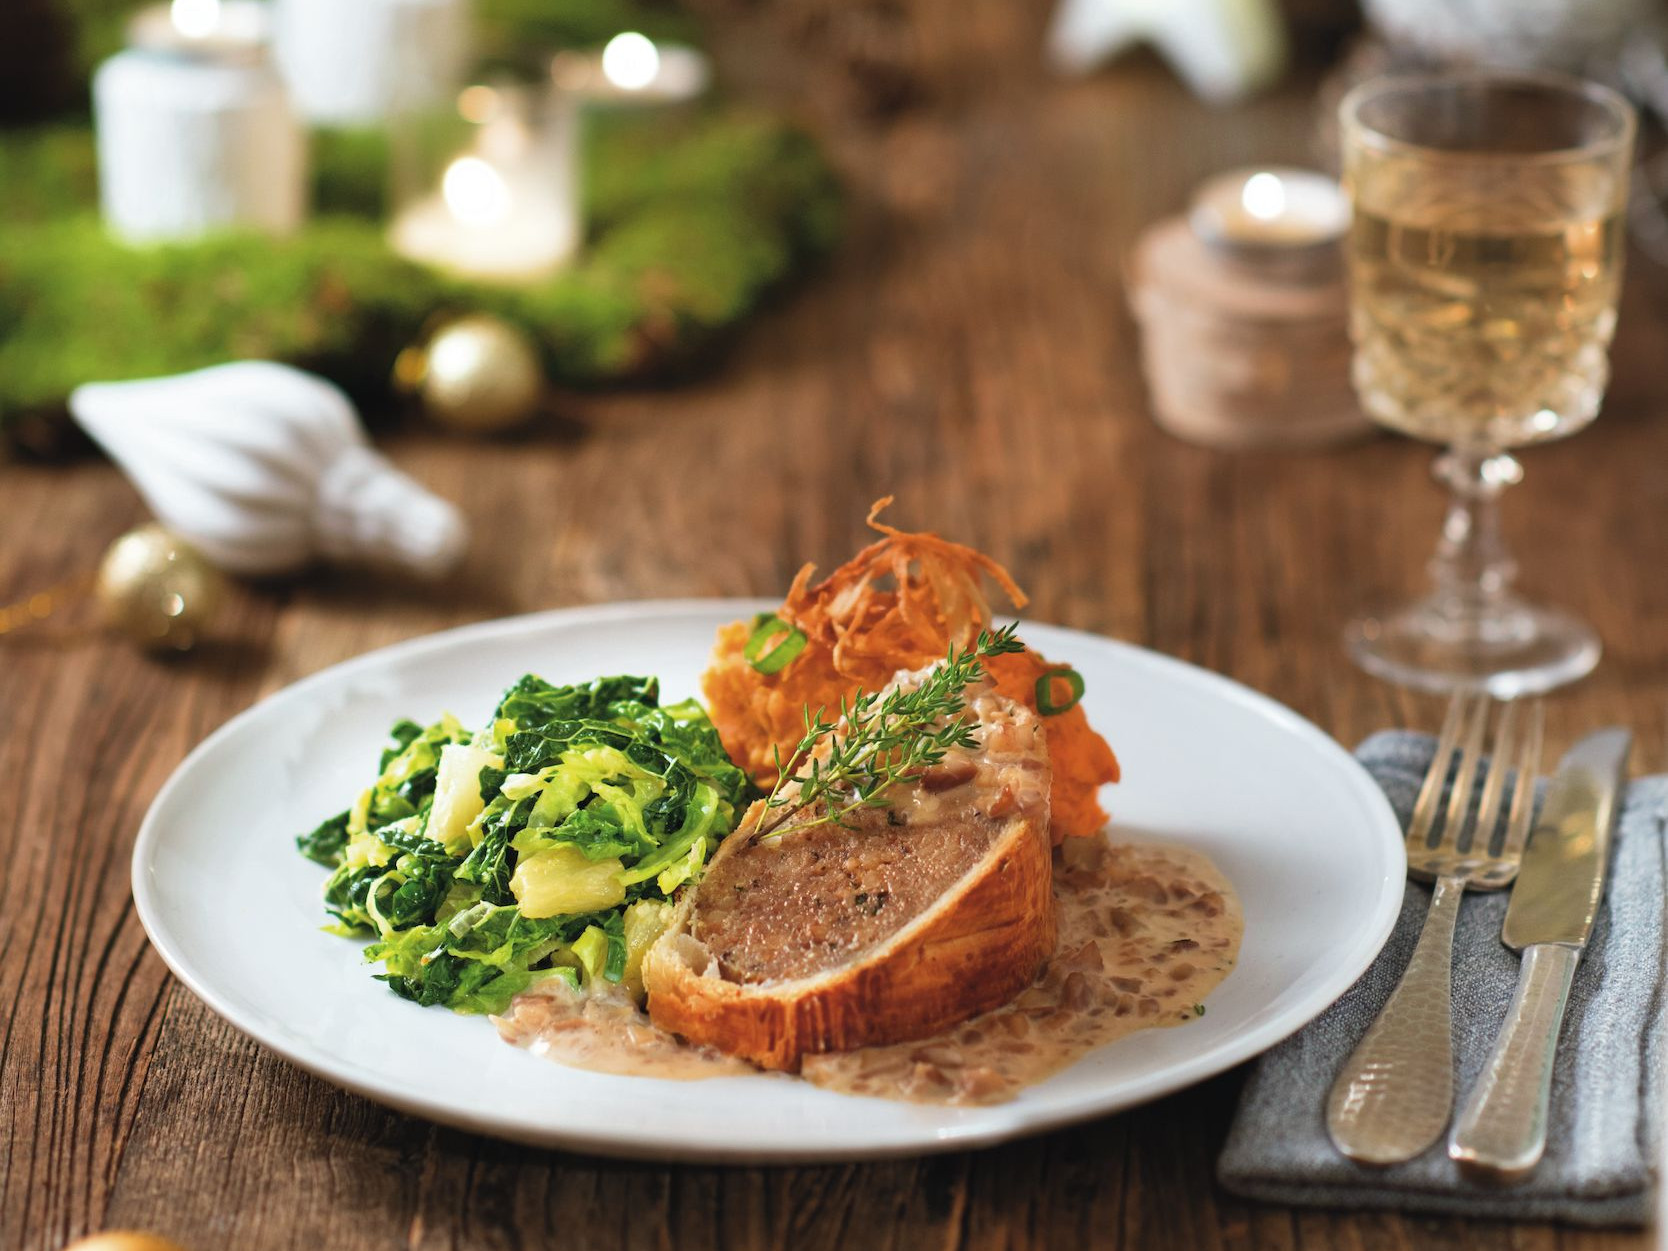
(693, 217)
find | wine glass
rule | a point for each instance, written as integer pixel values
(1485, 256)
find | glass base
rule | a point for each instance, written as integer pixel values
(1512, 648)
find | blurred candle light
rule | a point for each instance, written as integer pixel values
(633, 69)
(195, 19)
(630, 61)
(477, 104)
(194, 129)
(1264, 196)
(475, 192)
(225, 31)
(1270, 210)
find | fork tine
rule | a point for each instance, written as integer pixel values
(1523, 794)
(1430, 792)
(1494, 783)
(1459, 799)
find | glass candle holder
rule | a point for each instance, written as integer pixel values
(195, 131)
(358, 62)
(489, 189)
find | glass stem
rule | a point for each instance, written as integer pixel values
(1472, 569)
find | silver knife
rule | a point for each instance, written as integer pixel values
(1501, 1134)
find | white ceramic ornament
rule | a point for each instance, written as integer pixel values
(1223, 50)
(264, 468)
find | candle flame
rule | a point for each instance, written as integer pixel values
(475, 192)
(195, 18)
(1264, 196)
(630, 61)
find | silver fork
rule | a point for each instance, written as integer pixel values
(1395, 1094)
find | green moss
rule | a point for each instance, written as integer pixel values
(45, 173)
(506, 27)
(350, 172)
(75, 307)
(694, 218)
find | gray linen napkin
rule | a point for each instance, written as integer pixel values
(1603, 1140)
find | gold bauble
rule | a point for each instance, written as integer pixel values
(123, 1240)
(157, 589)
(477, 375)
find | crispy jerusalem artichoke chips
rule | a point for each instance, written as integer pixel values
(899, 604)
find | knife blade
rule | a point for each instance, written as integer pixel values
(1501, 1134)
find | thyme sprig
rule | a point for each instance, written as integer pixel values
(878, 740)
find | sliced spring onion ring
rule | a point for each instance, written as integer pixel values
(767, 627)
(1045, 691)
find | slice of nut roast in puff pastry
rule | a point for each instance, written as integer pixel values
(893, 926)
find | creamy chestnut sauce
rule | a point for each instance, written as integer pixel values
(1146, 932)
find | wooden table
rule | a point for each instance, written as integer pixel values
(970, 351)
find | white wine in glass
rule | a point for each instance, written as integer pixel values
(1485, 260)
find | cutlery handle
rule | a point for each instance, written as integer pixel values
(1502, 1131)
(1393, 1097)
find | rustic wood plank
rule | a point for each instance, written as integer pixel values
(969, 351)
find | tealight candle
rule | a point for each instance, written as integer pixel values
(633, 69)
(357, 62)
(195, 132)
(507, 208)
(1243, 314)
(1268, 214)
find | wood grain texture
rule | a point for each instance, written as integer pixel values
(970, 351)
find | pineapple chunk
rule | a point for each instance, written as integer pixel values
(561, 881)
(457, 793)
(645, 921)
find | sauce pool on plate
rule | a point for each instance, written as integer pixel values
(1146, 932)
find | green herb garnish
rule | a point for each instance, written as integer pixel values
(880, 739)
(767, 628)
(1046, 703)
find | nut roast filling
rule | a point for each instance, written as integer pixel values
(816, 898)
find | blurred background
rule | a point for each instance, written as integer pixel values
(723, 231)
(617, 185)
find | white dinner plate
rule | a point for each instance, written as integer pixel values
(1300, 829)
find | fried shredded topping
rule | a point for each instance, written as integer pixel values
(900, 603)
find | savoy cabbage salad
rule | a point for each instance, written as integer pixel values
(548, 844)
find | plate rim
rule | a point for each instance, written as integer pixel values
(1251, 1043)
